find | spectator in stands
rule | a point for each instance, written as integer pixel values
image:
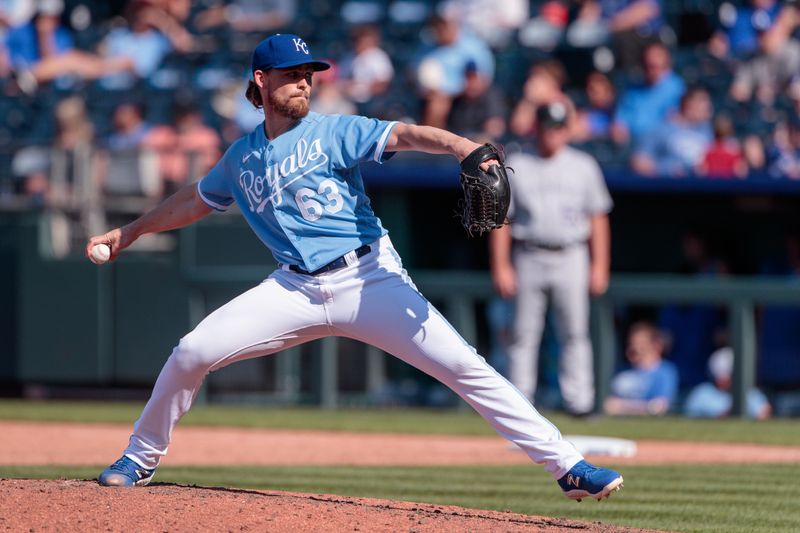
(145, 41)
(368, 71)
(237, 113)
(650, 386)
(42, 50)
(75, 135)
(793, 93)
(754, 152)
(775, 62)
(677, 148)
(741, 27)
(13, 14)
(494, 21)
(714, 400)
(74, 127)
(777, 156)
(630, 25)
(329, 94)
(546, 29)
(170, 17)
(645, 106)
(594, 121)
(724, 158)
(30, 171)
(544, 84)
(186, 151)
(48, 174)
(480, 111)
(783, 156)
(261, 16)
(123, 167)
(130, 128)
(177, 10)
(441, 65)
(17, 13)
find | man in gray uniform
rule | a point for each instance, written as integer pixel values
(556, 248)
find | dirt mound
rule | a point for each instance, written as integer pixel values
(69, 505)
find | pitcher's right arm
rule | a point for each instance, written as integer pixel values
(181, 209)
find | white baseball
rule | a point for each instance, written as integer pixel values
(100, 254)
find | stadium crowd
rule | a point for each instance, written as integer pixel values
(664, 88)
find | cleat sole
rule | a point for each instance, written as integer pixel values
(578, 495)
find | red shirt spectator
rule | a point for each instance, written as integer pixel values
(724, 158)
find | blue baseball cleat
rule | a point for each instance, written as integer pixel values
(125, 473)
(585, 480)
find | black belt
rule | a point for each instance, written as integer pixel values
(536, 245)
(340, 262)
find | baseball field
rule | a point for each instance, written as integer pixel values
(276, 469)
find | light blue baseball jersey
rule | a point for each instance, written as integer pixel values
(302, 192)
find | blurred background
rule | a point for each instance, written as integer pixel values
(106, 107)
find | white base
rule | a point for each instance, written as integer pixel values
(609, 446)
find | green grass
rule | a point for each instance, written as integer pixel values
(783, 431)
(702, 498)
(725, 498)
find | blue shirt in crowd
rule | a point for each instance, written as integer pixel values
(643, 108)
(659, 381)
(146, 50)
(677, 148)
(707, 401)
(783, 162)
(610, 8)
(742, 25)
(449, 62)
(22, 44)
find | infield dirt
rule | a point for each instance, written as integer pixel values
(45, 443)
(69, 505)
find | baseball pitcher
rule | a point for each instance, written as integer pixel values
(296, 179)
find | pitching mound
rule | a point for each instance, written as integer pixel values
(35, 505)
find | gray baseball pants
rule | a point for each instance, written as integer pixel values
(562, 279)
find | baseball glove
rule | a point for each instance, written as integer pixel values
(487, 194)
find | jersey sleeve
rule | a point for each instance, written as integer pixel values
(363, 139)
(598, 199)
(214, 188)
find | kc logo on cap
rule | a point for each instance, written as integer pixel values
(284, 50)
(300, 44)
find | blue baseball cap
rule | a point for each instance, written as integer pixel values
(284, 50)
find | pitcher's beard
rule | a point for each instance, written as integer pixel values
(294, 108)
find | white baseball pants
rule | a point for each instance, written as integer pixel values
(371, 300)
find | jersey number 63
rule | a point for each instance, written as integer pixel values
(311, 209)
